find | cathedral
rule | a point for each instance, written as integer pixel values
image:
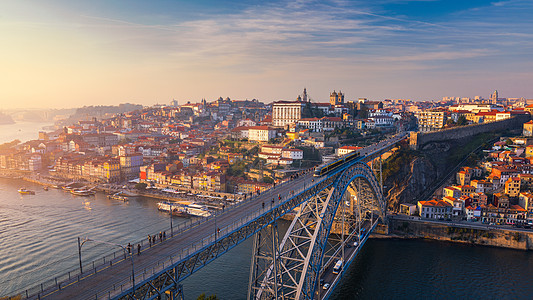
(336, 98)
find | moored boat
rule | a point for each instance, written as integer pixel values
(118, 196)
(197, 210)
(82, 192)
(25, 191)
(191, 210)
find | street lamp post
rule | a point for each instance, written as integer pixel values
(81, 243)
(171, 228)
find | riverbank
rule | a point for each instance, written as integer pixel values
(475, 234)
(129, 192)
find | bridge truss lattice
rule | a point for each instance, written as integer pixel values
(290, 267)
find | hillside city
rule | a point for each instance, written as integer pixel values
(232, 148)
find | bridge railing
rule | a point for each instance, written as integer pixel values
(93, 267)
(163, 264)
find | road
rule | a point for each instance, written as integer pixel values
(463, 224)
(350, 251)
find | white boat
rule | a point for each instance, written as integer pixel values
(194, 210)
(82, 192)
(164, 206)
(118, 196)
(198, 210)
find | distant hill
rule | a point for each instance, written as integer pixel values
(99, 111)
(5, 119)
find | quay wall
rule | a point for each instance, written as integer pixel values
(458, 233)
(419, 139)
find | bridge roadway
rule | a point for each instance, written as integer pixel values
(103, 280)
(350, 251)
(108, 280)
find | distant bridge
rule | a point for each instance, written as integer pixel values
(335, 212)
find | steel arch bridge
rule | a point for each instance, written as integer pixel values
(335, 211)
(291, 267)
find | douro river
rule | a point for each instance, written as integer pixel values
(38, 240)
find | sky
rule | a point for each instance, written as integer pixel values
(71, 53)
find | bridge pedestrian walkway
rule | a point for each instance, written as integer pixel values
(108, 281)
(114, 278)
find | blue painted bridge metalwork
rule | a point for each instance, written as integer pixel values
(335, 214)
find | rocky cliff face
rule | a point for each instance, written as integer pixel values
(411, 182)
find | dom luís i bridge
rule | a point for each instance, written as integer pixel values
(337, 206)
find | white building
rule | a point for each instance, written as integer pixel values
(261, 133)
(383, 121)
(475, 108)
(271, 149)
(292, 153)
(313, 124)
(346, 149)
(246, 122)
(34, 162)
(286, 112)
(434, 209)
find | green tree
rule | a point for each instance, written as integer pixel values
(450, 122)
(363, 113)
(461, 121)
(268, 179)
(204, 297)
(253, 151)
(237, 169)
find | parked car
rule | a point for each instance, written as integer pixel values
(325, 286)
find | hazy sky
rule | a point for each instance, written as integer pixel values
(67, 53)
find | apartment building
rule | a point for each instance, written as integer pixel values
(431, 120)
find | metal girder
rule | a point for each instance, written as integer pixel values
(151, 287)
(292, 269)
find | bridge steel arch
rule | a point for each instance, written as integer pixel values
(290, 268)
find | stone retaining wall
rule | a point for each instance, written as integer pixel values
(461, 234)
(419, 139)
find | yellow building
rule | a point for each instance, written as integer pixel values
(292, 135)
(111, 170)
(512, 186)
(529, 151)
(528, 129)
(430, 120)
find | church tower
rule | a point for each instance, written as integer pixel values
(336, 98)
(494, 97)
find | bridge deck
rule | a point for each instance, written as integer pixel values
(108, 281)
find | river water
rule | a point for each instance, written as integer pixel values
(38, 240)
(23, 131)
